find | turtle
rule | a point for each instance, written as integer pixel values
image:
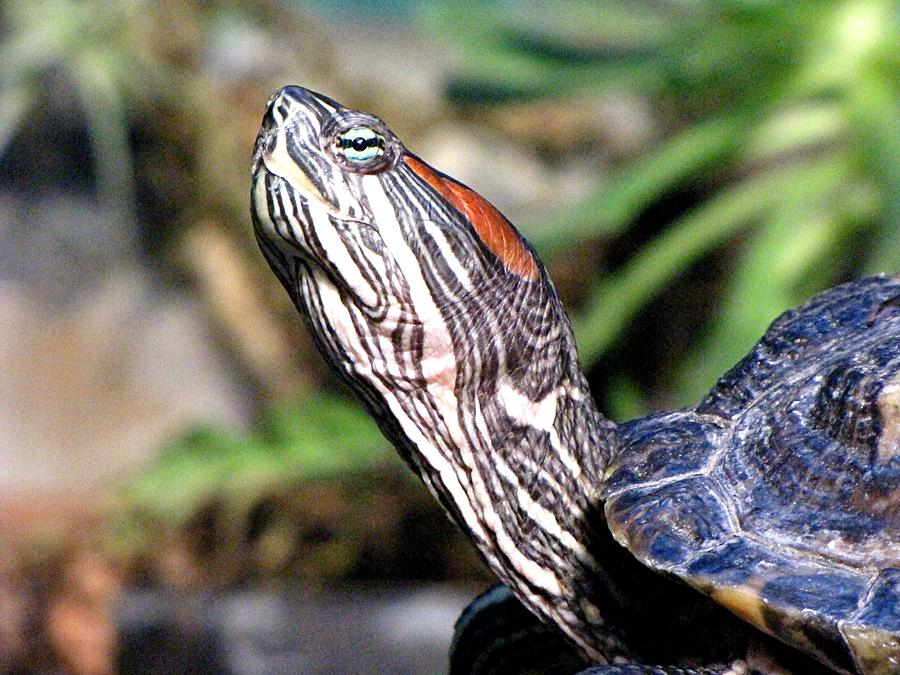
(756, 531)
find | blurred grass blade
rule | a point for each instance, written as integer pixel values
(306, 434)
(613, 207)
(321, 437)
(108, 123)
(794, 130)
(615, 300)
(15, 102)
(582, 28)
(875, 108)
(514, 53)
(771, 276)
(33, 43)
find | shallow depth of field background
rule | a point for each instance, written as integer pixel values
(183, 486)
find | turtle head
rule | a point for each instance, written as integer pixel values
(310, 157)
(321, 169)
(436, 311)
(380, 249)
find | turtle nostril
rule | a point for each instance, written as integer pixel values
(278, 108)
(269, 124)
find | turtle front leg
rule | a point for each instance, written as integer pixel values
(497, 635)
(759, 661)
(736, 668)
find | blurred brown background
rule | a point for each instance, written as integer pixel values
(183, 486)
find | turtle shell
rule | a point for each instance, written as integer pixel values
(779, 494)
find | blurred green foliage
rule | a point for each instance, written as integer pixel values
(785, 116)
(322, 438)
(96, 46)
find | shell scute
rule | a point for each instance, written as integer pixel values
(816, 484)
(666, 525)
(827, 593)
(806, 609)
(661, 446)
(735, 563)
(882, 606)
(846, 405)
(874, 634)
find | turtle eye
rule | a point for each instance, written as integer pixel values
(360, 145)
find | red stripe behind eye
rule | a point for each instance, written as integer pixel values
(491, 226)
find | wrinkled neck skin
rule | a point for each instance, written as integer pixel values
(471, 371)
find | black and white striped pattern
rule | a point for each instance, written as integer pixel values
(469, 368)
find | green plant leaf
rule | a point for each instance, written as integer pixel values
(613, 206)
(321, 437)
(616, 299)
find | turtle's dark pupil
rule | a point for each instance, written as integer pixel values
(360, 143)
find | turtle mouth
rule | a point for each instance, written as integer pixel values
(287, 148)
(277, 161)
